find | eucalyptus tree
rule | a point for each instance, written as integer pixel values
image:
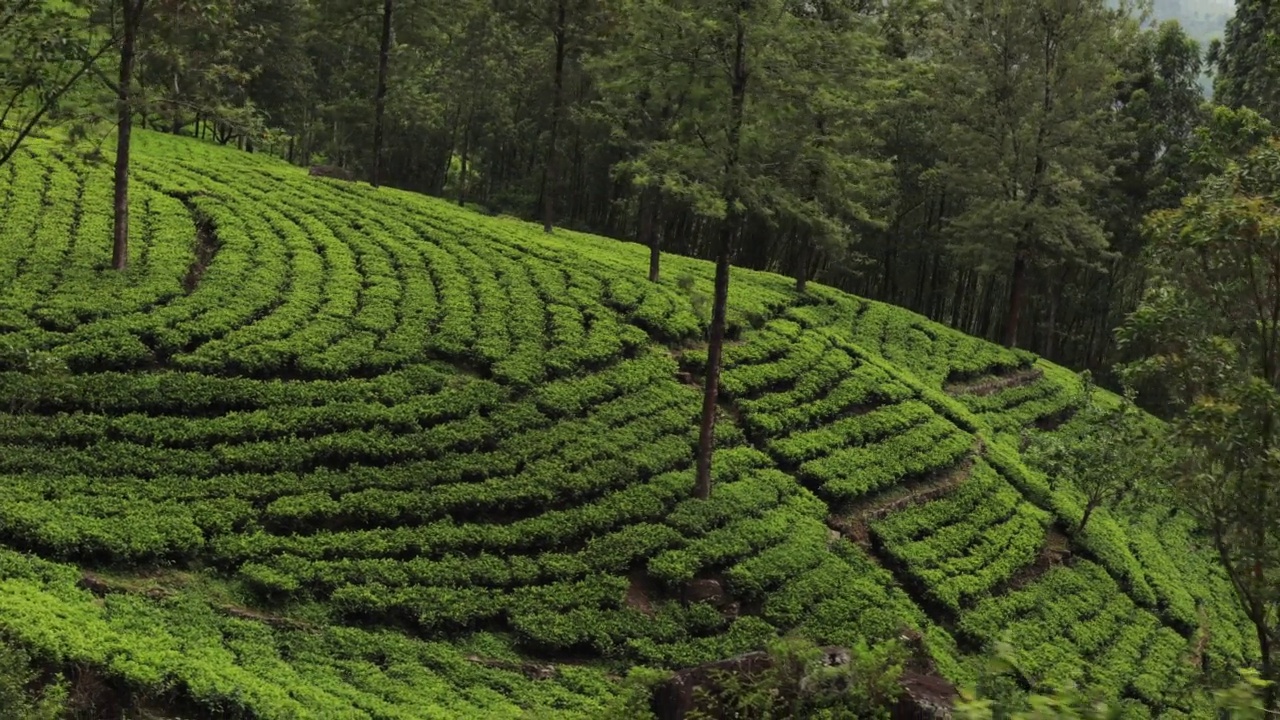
(727, 135)
(380, 98)
(1029, 84)
(130, 21)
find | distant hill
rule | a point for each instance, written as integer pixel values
(329, 451)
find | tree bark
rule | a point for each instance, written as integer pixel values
(557, 99)
(380, 103)
(1051, 335)
(802, 266)
(1268, 664)
(175, 119)
(737, 105)
(649, 200)
(466, 156)
(706, 434)
(1088, 511)
(1017, 291)
(124, 133)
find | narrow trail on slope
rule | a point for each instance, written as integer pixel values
(992, 384)
(206, 242)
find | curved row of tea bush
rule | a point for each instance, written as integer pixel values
(393, 421)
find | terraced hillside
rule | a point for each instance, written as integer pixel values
(335, 452)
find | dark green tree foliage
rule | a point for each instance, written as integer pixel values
(219, 69)
(1247, 60)
(1210, 325)
(1029, 84)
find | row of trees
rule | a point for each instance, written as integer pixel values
(982, 162)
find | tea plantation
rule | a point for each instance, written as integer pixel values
(326, 451)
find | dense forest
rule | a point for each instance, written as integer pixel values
(250, 373)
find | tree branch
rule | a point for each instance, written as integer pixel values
(51, 100)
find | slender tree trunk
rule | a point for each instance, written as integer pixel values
(649, 200)
(1051, 336)
(380, 102)
(983, 310)
(466, 156)
(957, 299)
(737, 105)
(175, 121)
(1017, 291)
(922, 276)
(557, 99)
(1088, 512)
(124, 133)
(706, 434)
(802, 267)
(935, 288)
(887, 285)
(1268, 669)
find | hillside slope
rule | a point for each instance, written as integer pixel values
(329, 451)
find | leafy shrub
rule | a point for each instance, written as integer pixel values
(24, 693)
(798, 684)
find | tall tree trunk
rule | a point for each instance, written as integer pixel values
(737, 105)
(649, 200)
(706, 434)
(557, 99)
(1261, 627)
(887, 289)
(1050, 342)
(175, 120)
(985, 310)
(1017, 291)
(957, 299)
(380, 103)
(935, 288)
(802, 266)
(466, 155)
(124, 133)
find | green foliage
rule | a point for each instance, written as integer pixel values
(798, 683)
(18, 677)
(46, 47)
(1110, 463)
(1210, 336)
(795, 156)
(990, 697)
